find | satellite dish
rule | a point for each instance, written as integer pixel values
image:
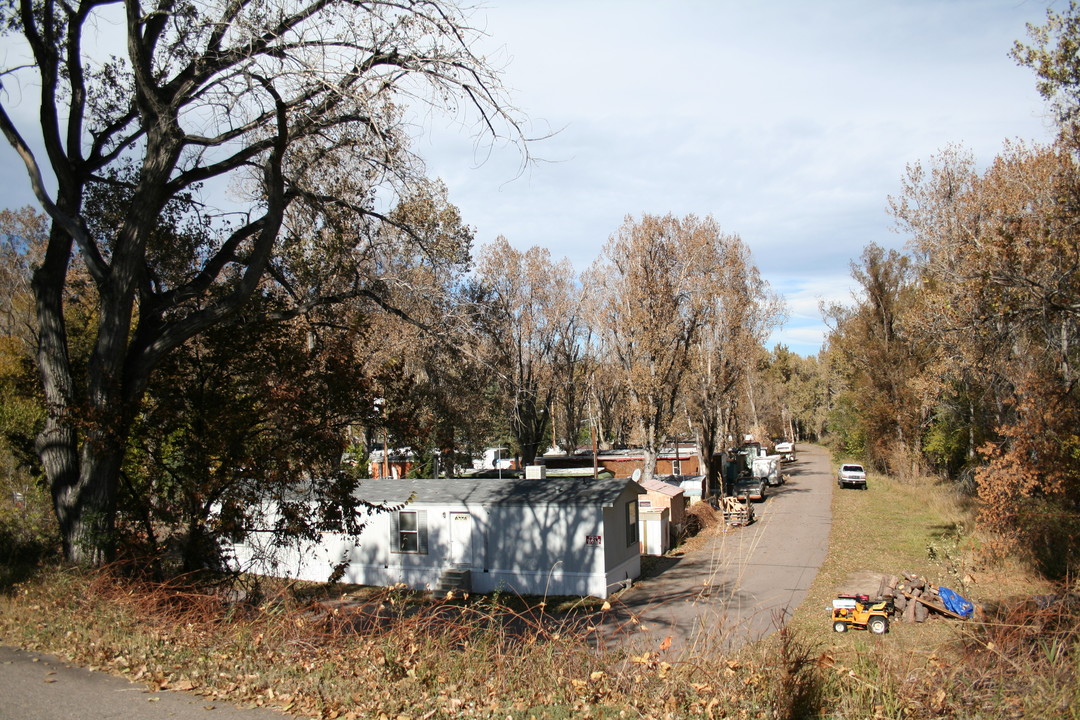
(637, 475)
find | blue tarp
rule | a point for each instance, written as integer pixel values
(955, 603)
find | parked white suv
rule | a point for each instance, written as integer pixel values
(851, 475)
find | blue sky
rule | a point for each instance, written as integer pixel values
(790, 122)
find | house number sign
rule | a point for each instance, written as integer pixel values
(592, 539)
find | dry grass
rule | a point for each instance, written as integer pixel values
(701, 520)
(920, 527)
(385, 654)
(350, 652)
(941, 668)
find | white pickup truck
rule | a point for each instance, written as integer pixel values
(768, 467)
(851, 475)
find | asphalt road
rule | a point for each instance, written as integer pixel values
(743, 582)
(42, 687)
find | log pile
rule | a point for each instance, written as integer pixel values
(914, 597)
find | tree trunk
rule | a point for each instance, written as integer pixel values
(753, 404)
(83, 472)
(706, 433)
(648, 469)
(699, 446)
(57, 444)
(649, 452)
(91, 504)
(88, 506)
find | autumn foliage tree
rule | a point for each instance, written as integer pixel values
(743, 311)
(606, 399)
(24, 523)
(234, 418)
(800, 387)
(528, 323)
(882, 360)
(999, 257)
(974, 336)
(414, 337)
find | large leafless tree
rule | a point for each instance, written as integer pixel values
(530, 323)
(293, 109)
(743, 312)
(656, 299)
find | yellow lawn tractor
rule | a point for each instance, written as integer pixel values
(857, 611)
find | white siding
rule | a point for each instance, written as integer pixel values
(524, 549)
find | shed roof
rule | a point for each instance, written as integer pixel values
(659, 486)
(492, 491)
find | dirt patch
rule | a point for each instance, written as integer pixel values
(862, 582)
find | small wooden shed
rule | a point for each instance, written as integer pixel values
(655, 531)
(659, 494)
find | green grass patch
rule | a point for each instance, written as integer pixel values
(892, 527)
(943, 667)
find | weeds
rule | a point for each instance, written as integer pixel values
(27, 527)
(393, 652)
(388, 652)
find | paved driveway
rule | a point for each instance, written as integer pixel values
(742, 582)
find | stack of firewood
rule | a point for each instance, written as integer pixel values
(914, 597)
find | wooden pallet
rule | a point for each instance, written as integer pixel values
(737, 512)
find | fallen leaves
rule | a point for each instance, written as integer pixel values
(425, 662)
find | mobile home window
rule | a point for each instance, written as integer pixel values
(631, 522)
(409, 532)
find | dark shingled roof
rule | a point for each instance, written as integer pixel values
(510, 491)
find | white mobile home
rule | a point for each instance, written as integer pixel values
(559, 536)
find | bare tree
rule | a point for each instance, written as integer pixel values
(652, 296)
(529, 317)
(606, 398)
(23, 236)
(743, 312)
(568, 373)
(294, 107)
